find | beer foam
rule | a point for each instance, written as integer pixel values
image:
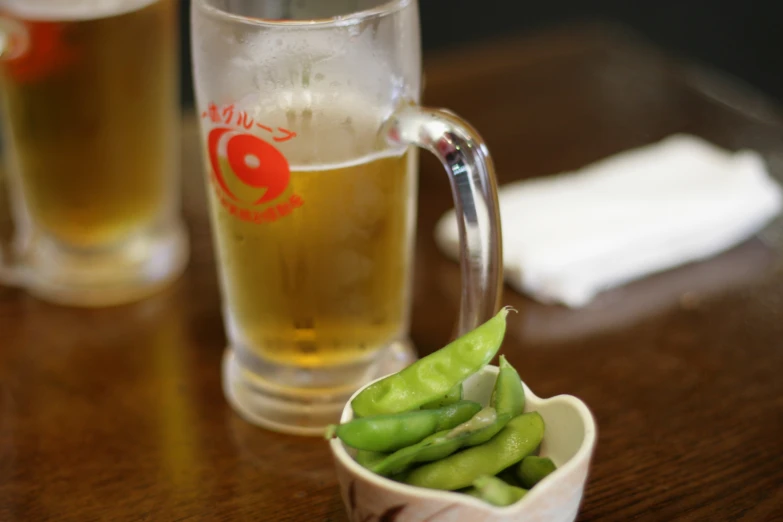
(369, 158)
(71, 10)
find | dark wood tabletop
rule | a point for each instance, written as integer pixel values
(117, 414)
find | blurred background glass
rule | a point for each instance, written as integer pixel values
(91, 125)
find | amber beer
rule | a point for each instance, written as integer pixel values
(322, 282)
(90, 102)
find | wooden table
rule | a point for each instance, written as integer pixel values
(118, 414)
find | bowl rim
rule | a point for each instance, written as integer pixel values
(584, 453)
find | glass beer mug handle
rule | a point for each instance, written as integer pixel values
(472, 177)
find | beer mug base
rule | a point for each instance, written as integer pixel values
(125, 273)
(298, 411)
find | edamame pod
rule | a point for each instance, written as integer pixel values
(478, 430)
(387, 433)
(532, 470)
(496, 492)
(483, 426)
(454, 395)
(509, 476)
(508, 397)
(434, 375)
(369, 459)
(505, 392)
(517, 440)
(402, 459)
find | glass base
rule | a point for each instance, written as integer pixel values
(300, 411)
(129, 272)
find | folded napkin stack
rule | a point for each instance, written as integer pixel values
(568, 237)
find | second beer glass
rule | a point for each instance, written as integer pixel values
(91, 103)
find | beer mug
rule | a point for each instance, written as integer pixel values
(309, 116)
(90, 101)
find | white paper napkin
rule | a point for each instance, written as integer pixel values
(568, 237)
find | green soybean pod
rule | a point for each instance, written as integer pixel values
(387, 433)
(508, 397)
(520, 437)
(453, 395)
(469, 435)
(483, 426)
(471, 491)
(368, 459)
(478, 430)
(433, 376)
(505, 393)
(532, 470)
(402, 459)
(496, 492)
(509, 476)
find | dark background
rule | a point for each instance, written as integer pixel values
(741, 38)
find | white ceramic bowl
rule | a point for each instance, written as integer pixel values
(569, 441)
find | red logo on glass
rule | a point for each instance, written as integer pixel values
(238, 155)
(34, 51)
